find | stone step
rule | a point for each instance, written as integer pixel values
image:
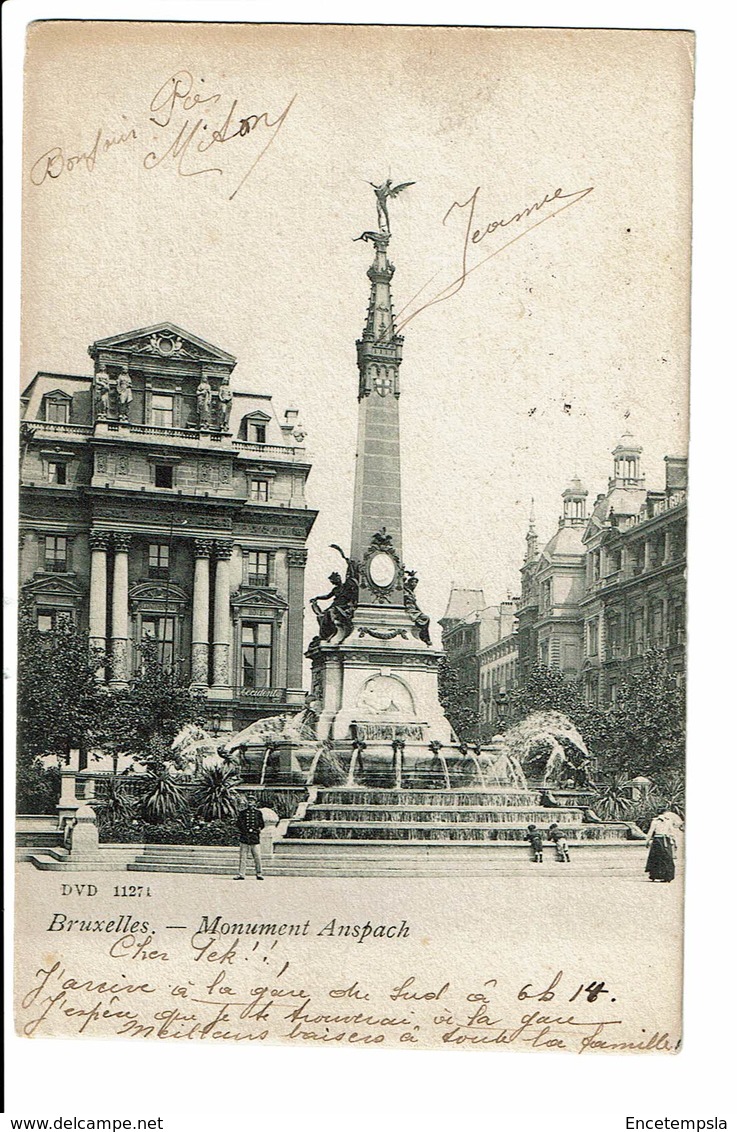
(431, 831)
(364, 869)
(348, 795)
(483, 814)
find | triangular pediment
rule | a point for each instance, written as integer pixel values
(165, 340)
(254, 597)
(54, 586)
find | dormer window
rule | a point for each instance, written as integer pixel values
(57, 408)
(254, 427)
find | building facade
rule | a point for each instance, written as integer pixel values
(609, 586)
(481, 644)
(635, 597)
(157, 502)
(498, 665)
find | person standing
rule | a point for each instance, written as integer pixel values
(535, 838)
(250, 822)
(662, 838)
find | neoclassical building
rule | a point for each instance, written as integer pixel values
(635, 569)
(158, 502)
(607, 587)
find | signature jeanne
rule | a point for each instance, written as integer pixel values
(521, 223)
(185, 122)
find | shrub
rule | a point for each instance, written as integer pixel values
(215, 797)
(162, 797)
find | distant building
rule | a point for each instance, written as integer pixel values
(481, 645)
(635, 597)
(560, 584)
(461, 636)
(498, 664)
(606, 588)
(158, 503)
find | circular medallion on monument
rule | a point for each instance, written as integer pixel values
(382, 570)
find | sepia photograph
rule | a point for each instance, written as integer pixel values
(353, 498)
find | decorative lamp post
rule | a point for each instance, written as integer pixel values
(502, 703)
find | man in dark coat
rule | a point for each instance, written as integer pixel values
(250, 822)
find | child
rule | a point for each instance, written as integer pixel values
(535, 838)
(558, 837)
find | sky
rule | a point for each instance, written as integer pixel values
(570, 326)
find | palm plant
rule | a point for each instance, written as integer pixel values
(670, 791)
(615, 801)
(162, 797)
(119, 804)
(215, 797)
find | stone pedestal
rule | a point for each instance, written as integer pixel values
(380, 683)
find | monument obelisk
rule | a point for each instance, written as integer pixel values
(374, 670)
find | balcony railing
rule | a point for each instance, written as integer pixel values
(283, 450)
(65, 427)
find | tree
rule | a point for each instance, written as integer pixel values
(459, 701)
(150, 711)
(61, 705)
(648, 721)
(547, 689)
(644, 732)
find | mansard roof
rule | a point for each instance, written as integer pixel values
(461, 603)
(567, 541)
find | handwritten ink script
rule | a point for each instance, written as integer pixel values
(474, 233)
(186, 128)
(248, 982)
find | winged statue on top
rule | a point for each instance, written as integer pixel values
(383, 191)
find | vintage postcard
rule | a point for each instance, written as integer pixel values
(353, 503)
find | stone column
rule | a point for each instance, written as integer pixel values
(647, 556)
(98, 593)
(667, 546)
(221, 623)
(121, 546)
(296, 562)
(201, 613)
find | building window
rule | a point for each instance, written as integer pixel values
(158, 560)
(593, 638)
(161, 630)
(49, 619)
(55, 554)
(260, 491)
(163, 475)
(256, 654)
(57, 471)
(257, 432)
(257, 568)
(56, 409)
(162, 410)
